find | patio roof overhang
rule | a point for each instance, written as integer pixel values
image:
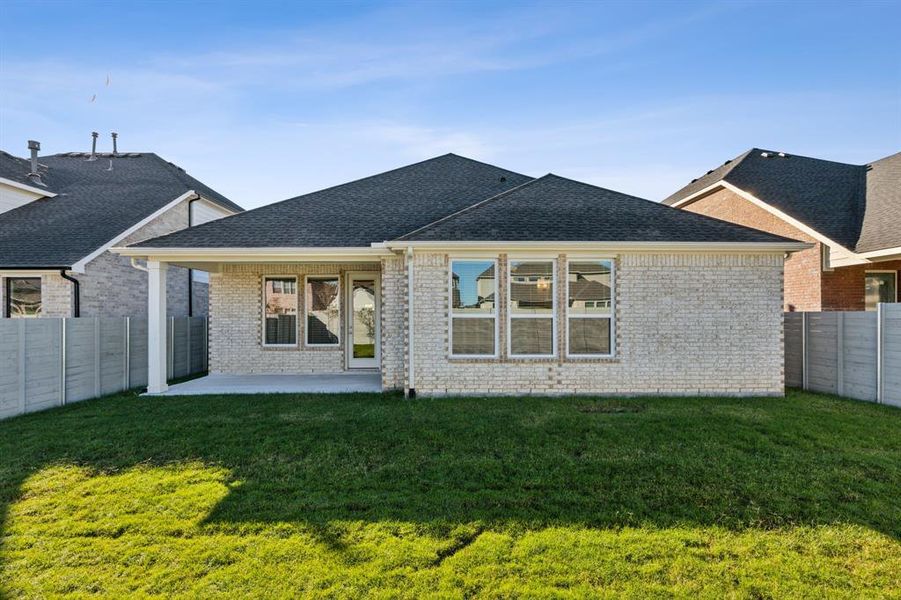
(210, 259)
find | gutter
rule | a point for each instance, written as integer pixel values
(76, 289)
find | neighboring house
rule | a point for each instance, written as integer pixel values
(850, 213)
(60, 214)
(597, 291)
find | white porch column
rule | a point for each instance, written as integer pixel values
(156, 327)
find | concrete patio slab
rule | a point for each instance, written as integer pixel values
(335, 383)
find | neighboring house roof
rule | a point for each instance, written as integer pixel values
(356, 214)
(554, 208)
(856, 206)
(93, 205)
(17, 169)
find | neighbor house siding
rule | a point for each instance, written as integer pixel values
(236, 308)
(685, 324)
(803, 270)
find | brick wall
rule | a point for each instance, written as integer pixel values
(803, 270)
(685, 324)
(236, 308)
(843, 288)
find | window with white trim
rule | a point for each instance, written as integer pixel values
(279, 311)
(880, 286)
(531, 302)
(23, 297)
(323, 306)
(473, 301)
(589, 307)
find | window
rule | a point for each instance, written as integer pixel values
(280, 311)
(23, 297)
(323, 305)
(473, 318)
(589, 306)
(531, 300)
(880, 286)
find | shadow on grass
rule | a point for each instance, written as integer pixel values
(516, 463)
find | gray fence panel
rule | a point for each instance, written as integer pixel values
(794, 374)
(179, 346)
(138, 352)
(822, 346)
(859, 361)
(42, 364)
(198, 345)
(9, 373)
(81, 360)
(112, 355)
(891, 354)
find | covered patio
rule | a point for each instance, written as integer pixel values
(330, 383)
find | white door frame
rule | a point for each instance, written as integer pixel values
(350, 361)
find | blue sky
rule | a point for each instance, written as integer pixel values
(265, 100)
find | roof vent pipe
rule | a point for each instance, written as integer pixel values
(115, 149)
(35, 175)
(94, 135)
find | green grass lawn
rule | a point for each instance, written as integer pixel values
(374, 495)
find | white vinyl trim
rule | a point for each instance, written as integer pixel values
(306, 311)
(890, 252)
(552, 316)
(601, 247)
(263, 312)
(27, 188)
(611, 316)
(451, 315)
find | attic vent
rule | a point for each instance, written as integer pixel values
(695, 179)
(727, 162)
(770, 154)
(709, 172)
(503, 179)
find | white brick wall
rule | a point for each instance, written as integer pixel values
(236, 307)
(686, 324)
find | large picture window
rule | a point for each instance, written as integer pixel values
(23, 297)
(323, 306)
(589, 306)
(280, 311)
(473, 314)
(532, 301)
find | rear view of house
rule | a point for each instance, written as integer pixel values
(60, 214)
(850, 213)
(452, 276)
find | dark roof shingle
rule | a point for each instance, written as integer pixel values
(93, 206)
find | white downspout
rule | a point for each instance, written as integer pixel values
(411, 387)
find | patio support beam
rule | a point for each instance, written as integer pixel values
(156, 327)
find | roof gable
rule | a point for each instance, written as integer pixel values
(554, 208)
(356, 214)
(881, 227)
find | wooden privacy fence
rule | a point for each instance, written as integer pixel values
(853, 354)
(51, 362)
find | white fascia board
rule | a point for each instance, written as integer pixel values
(254, 255)
(884, 254)
(79, 266)
(601, 246)
(27, 272)
(27, 188)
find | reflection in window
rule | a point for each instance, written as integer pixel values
(473, 308)
(589, 307)
(531, 302)
(880, 287)
(23, 297)
(323, 311)
(280, 322)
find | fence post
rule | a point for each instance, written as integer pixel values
(96, 357)
(840, 353)
(206, 338)
(127, 374)
(188, 344)
(62, 361)
(804, 316)
(22, 365)
(170, 359)
(880, 343)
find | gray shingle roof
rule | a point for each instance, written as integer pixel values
(553, 208)
(881, 226)
(92, 207)
(858, 206)
(17, 169)
(356, 214)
